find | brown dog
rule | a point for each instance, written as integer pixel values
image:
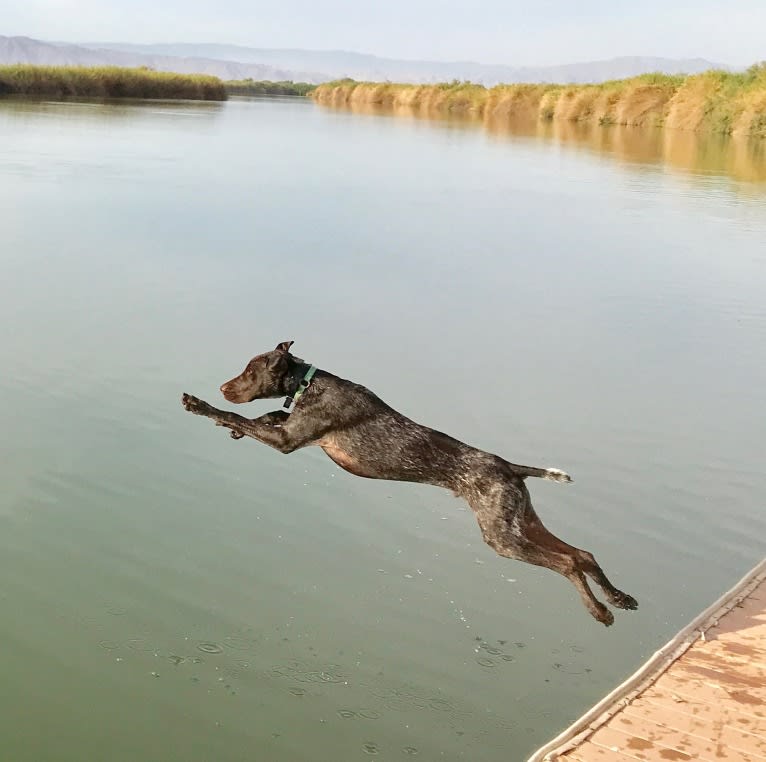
(368, 438)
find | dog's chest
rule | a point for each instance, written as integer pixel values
(345, 460)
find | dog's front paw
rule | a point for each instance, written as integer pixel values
(234, 434)
(194, 404)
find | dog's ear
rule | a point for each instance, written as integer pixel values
(285, 346)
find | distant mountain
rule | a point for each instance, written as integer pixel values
(337, 64)
(28, 50)
(236, 62)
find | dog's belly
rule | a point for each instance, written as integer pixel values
(346, 461)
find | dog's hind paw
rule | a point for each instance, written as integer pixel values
(603, 615)
(623, 601)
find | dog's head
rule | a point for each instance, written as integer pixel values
(264, 377)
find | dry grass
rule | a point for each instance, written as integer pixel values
(716, 101)
(107, 82)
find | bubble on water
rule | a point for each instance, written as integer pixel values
(346, 714)
(484, 662)
(369, 714)
(370, 748)
(441, 705)
(108, 645)
(209, 648)
(297, 691)
(116, 611)
(176, 660)
(410, 751)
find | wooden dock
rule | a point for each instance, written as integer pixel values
(700, 697)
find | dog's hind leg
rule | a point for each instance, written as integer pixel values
(512, 529)
(534, 551)
(596, 573)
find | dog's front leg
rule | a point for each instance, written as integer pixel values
(275, 418)
(267, 428)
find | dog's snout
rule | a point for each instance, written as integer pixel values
(227, 389)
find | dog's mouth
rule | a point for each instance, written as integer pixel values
(238, 398)
(231, 395)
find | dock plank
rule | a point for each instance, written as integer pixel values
(702, 697)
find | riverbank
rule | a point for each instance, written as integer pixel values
(255, 87)
(107, 82)
(716, 101)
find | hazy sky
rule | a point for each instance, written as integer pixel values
(491, 31)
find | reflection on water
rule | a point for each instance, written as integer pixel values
(168, 593)
(740, 158)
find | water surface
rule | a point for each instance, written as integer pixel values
(170, 594)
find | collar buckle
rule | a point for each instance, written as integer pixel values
(291, 402)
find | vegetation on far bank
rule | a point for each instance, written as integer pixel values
(715, 101)
(107, 82)
(255, 87)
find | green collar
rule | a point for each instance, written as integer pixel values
(302, 386)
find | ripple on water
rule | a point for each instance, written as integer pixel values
(140, 644)
(570, 669)
(240, 642)
(299, 671)
(209, 648)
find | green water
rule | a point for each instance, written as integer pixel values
(170, 594)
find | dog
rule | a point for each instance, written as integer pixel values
(367, 438)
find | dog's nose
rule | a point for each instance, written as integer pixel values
(224, 388)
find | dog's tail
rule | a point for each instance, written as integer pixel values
(554, 474)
